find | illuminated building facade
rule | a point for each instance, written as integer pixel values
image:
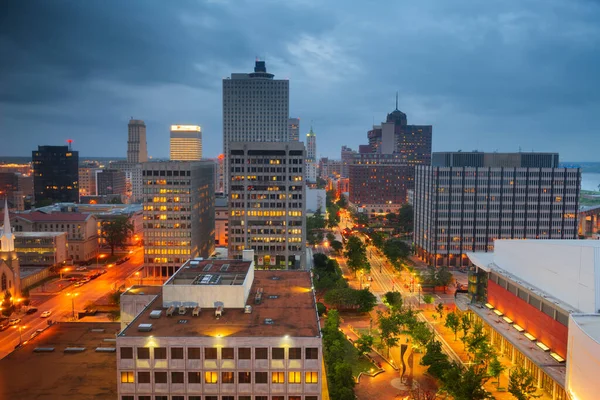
(267, 203)
(186, 143)
(55, 174)
(179, 214)
(465, 208)
(41, 248)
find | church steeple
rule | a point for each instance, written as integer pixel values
(7, 240)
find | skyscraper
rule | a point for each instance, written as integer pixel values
(55, 174)
(294, 129)
(311, 156)
(137, 151)
(186, 143)
(347, 159)
(111, 181)
(255, 109)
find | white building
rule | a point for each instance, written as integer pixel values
(186, 143)
(315, 200)
(255, 109)
(220, 330)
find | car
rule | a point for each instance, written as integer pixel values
(103, 271)
(46, 314)
(80, 283)
(370, 279)
(14, 321)
(86, 279)
(37, 332)
(32, 310)
(81, 269)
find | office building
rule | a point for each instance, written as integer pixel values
(247, 335)
(495, 160)
(465, 208)
(538, 301)
(87, 180)
(111, 181)
(221, 221)
(311, 156)
(133, 179)
(329, 168)
(41, 248)
(137, 148)
(255, 109)
(347, 159)
(179, 214)
(266, 203)
(186, 143)
(294, 129)
(55, 174)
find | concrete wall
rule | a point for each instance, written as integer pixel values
(582, 381)
(204, 296)
(132, 305)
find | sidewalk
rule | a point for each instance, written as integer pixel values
(51, 287)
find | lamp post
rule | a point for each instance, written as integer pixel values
(98, 255)
(419, 297)
(20, 329)
(66, 269)
(72, 296)
(139, 277)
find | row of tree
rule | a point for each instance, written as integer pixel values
(356, 255)
(339, 373)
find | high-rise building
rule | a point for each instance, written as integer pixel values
(55, 174)
(111, 181)
(347, 159)
(255, 109)
(186, 143)
(311, 156)
(266, 203)
(179, 214)
(133, 176)
(294, 129)
(329, 168)
(87, 180)
(137, 150)
(465, 208)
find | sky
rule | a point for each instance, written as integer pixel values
(488, 75)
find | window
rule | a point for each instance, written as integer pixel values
(312, 353)
(295, 353)
(177, 353)
(260, 377)
(227, 353)
(227, 397)
(210, 353)
(127, 377)
(126, 353)
(177, 398)
(278, 377)
(127, 398)
(295, 398)
(244, 377)
(160, 377)
(160, 353)
(277, 398)
(245, 397)
(278, 353)
(143, 377)
(261, 353)
(194, 377)
(294, 377)
(211, 398)
(161, 397)
(261, 398)
(194, 353)
(244, 353)
(227, 377)
(176, 377)
(306, 398)
(143, 353)
(144, 398)
(200, 397)
(311, 377)
(211, 377)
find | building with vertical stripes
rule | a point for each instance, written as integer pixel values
(186, 143)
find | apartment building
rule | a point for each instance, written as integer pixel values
(267, 203)
(219, 330)
(465, 208)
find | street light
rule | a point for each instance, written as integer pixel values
(419, 286)
(20, 329)
(72, 296)
(98, 255)
(138, 275)
(66, 269)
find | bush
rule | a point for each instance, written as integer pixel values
(428, 299)
(321, 309)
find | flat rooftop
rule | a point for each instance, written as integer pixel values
(38, 234)
(137, 290)
(25, 374)
(287, 307)
(211, 272)
(589, 323)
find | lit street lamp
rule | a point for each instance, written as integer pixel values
(98, 255)
(72, 296)
(140, 278)
(66, 269)
(20, 329)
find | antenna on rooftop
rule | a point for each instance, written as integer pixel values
(396, 100)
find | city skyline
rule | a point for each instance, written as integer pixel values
(492, 82)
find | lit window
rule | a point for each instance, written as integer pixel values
(227, 377)
(278, 377)
(211, 377)
(311, 377)
(127, 377)
(294, 377)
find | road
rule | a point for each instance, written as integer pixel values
(62, 304)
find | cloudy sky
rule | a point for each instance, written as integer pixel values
(488, 75)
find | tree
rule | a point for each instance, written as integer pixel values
(478, 345)
(420, 333)
(364, 344)
(114, 315)
(453, 322)
(378, 239)
(356, 255)
(465, 325)
(521, 384)
(393, 300)
(7, 304)
(388, 329)
(435, 359)
(347, 298)
(116, 232)
(396, 250)
(330, 237)
(444, 277)
(496, 368)
(465, 384)
(342, 202)
(115, 297)
(366, 300)
(427, 298)
(406, 218)
(320, 260)
(337, 246)
(440, 310)
(321, 309)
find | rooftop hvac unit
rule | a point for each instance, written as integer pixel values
(155, 314)
(219, 312)
(144, 327)
(248, 310)
(269, 321)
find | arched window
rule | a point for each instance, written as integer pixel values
(3, 282)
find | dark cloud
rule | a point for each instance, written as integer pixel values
(488, 75)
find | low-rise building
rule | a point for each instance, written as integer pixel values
(41, 248)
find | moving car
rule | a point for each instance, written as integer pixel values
(14, 321)
(46, 314)
(32, 310)
(80, 283)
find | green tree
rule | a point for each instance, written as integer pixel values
(522, 384)
(406, 218)
(321, 309)
(116, 232)
(115, 297)
(495, 369)
(453, 322)
(427, 298)
(478, 345)
(337, 246)
(356, 255)
(114, 315)
(378, 239)
(440, 310)
(364, 344)
(465, 326)
(420, 333)
(347, 298)
(465, 384)
(396, 250)
(330, 237)
(7, 304)
(393, 300)
(342, 202)
(388, 330)
(436, 361)
(443, 277)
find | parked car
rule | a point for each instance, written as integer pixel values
(103, 271)
(14, 321)
(81, 269)
(46, 314)
(80, 283)
(86, 279)
(95, 275)
(37, 332)
(32, 310)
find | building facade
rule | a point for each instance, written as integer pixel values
(221, 221)
(267, 202)
(55, 174)
(137, 148)
(255, 109)
(179, 214)
(133, 176)
(87, 181)
(347, 157)
(294, 129)
(462, 209)
(329, 168)
(186, 143)
(111, 181)
(41, 248)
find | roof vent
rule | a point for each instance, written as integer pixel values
(74, 349)
(248, 310)
(275, 278)
(155, 314)
(224, 267)
(97, 330)
(43, 350)
(105, 349)
(144, 327)
(182, 321)
(269, 321)
(207, 267)
(273, 296)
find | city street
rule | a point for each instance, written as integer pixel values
(69, 299)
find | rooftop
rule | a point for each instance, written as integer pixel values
(137, 290)
(590, 324)
(210, 272)
(82, 375)
(38, 234)
(37, 216)
(287, 307)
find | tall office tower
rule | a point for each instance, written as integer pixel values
(137, 150)
(266, 203)
(468, 200)
(179, 216)
(186, 143)
(255, 109)
(55, 174)
(311, 156)
(294, 129)
(111, 181)
(347, 159)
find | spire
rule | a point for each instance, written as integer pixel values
(396, 100)
(7, 240)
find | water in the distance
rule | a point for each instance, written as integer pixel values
(590, 181)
